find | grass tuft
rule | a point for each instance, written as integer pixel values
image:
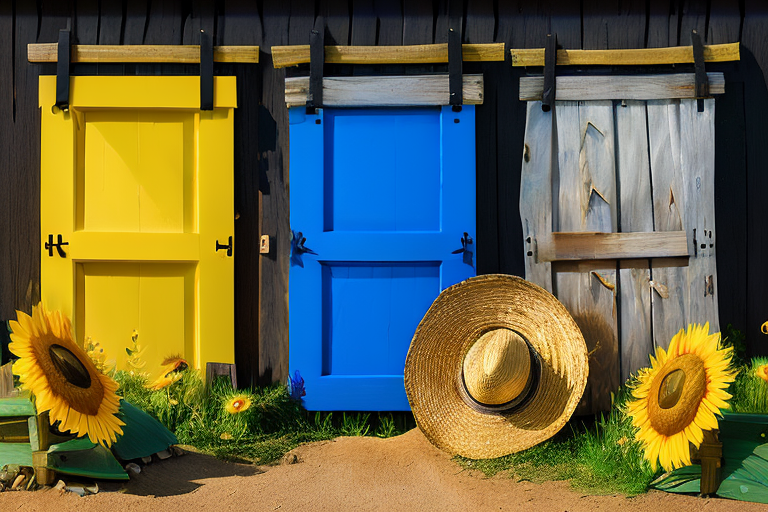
(599, 456)
(274, 423)
(750, 392)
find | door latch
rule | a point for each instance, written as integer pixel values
(228, 247)
(58, 245)
(467, 249)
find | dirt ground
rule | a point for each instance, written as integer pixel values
(352, 473)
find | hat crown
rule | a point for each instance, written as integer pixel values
(497, 367)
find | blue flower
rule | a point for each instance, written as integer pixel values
(296, 386)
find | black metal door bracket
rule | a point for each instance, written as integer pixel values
(467, 249)
(62, 68)
(206, 71)
(455, 64)
(49, 245)
(316, 63)
(550, 59)
(228, 247)
(701, 84)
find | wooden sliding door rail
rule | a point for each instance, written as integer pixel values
(284, 56)
(181, 54)
(607, 246)
(633, 57)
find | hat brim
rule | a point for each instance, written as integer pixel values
(457, 318)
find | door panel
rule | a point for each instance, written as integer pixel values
(383, 196)
(142, 193)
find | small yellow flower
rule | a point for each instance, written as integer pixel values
(238, 403)
(762, 372)
(226, 436)
(764, 328)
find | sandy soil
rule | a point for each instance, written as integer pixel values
(401, 473)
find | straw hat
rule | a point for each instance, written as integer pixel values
(497, 365)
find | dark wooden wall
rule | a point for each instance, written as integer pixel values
(261, 126)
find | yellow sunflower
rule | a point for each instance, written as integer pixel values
(62, 377)
(238, 403)
(764, 328)
(762, 372)
(676, 399)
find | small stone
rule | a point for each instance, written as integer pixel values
(164, 454)
(9, 472)
(291, 458)
(146, 460)
(60, 486)
(132, 468)
(18, 481)
(178, 452)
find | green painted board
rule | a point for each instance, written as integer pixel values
(81, 457)
(682, 480)
(142, 435)
(15, 453)
(17, 406)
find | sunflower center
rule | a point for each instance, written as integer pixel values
(676, 393)
(69, 366)
(671, 389)
(237, 404)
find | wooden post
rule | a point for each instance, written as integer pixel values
(711, 455)
(43, 475)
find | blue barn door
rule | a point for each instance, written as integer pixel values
(384, 198)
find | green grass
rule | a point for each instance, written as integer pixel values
(273, 425)
(599, 456)
(750, 392)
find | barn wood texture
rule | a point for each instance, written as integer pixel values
(261, 126)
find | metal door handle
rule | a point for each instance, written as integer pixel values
(58, 245)
(228, 247)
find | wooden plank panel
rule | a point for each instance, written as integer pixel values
(418, 22)
(384, 91)
(613, 24)
(645, 87)
(286, 56)
(8, 174)
(390, 16)
(479, 27)
(337, 21)
(566, 21)
(536, 193)
(755, 69)
(660, 25)
(21, 269)
(697, 162)
(586, 198)
(670, 293)
(636, 215)
(724, 22)
(597, 245)
(239, 24)
(525, 24)
(180, 54)
(693, 16)
(628, 57)
(731, 207)
(275, 221)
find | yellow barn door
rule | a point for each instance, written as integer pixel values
(137, 185)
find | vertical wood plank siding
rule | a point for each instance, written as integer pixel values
(261, 151)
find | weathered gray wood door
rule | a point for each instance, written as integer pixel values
(617, 206)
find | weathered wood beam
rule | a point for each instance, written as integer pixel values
(606, 246)
(635, 87)
(158, 53)
(284, 56)
(580, 266)
(384, 91)
(641, 56)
